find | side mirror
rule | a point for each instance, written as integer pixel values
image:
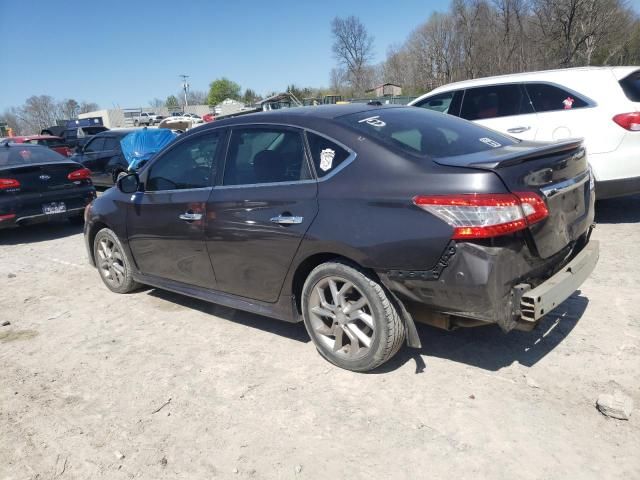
(129, 183)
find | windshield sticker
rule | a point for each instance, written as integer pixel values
(326, 159)
(490, 142)
(568, 103)
(373, 121)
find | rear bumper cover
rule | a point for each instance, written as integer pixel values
(490, 283)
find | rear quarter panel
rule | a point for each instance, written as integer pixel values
(366, 211)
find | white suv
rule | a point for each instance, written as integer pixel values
(600, 104)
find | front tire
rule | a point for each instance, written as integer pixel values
(112, 262)
(350, 318)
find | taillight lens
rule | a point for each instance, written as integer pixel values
(628, 121)
(9, 183)
(485, 215)
(81, 174)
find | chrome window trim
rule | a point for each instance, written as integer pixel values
(346, 162)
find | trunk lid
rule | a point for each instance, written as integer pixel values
(557, 172)
(43, 177)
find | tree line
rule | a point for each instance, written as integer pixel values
(41, 111)
(478, 38)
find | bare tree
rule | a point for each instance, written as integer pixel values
(156, 103)
(353, 49)
(86, 107)
(69, 108)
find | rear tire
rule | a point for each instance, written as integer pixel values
(350, 318)
(112, 262)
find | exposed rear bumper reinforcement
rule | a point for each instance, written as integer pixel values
(536, 303)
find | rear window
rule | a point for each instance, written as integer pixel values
(425, 133)
(549, 98)
(495, 101)
(17, 155)
(631, 86)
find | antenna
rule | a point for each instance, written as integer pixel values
(185, 87)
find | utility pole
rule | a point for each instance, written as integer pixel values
(185, 87)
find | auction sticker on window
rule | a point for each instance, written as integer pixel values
(490, 142)
(326, 159)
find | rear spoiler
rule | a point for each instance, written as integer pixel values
(512, 154)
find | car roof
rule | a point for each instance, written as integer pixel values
(117, 132)
(571, 77)
(302, 116)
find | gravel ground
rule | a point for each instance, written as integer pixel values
(154, 385)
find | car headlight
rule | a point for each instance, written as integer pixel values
(592, 180)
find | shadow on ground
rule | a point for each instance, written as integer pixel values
(488, 348)
(618, 210)
(39, 233)
(293, 331)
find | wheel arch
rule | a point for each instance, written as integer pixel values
(93, 230)
(306, 266)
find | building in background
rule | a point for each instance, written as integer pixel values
(386, 90)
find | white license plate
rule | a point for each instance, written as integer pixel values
(55, 207)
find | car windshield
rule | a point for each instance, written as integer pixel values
(16, 155)
(425, 133)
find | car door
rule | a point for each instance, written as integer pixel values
(505, 108)
(261, 211)
(89, 157)
(165, 222)
(564, 114)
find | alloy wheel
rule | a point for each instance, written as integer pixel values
(341, 316)
(111, 262)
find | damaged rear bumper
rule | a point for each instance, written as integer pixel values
(536, 303)
(505, 284)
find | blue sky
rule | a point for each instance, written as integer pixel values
(124, 53)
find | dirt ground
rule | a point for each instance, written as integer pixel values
(153, 385)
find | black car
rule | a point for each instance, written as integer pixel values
(103, 156)
(358, 220)
(38, 185)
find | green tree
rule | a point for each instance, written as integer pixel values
(221, 89)
(172, 102)
(250, 97)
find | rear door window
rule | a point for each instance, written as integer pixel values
(448, 102)
(327, 155)
(95, 145)
(111, 143)
(631, 86)
(265, 155)
(495, 101)
(549, 98)
(425, 133)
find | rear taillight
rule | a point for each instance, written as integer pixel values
(10, 216)
(485, 215)
(9, 183)
(628, 121)
(82, 174)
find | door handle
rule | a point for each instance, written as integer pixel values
(190, 216)
(287, 220)
(518, 129)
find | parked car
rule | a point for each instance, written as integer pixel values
(38, 185)
(600, 104)
(147, 119)
(54, 143)
(357, 220)
(103, 156)
(194, 118)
